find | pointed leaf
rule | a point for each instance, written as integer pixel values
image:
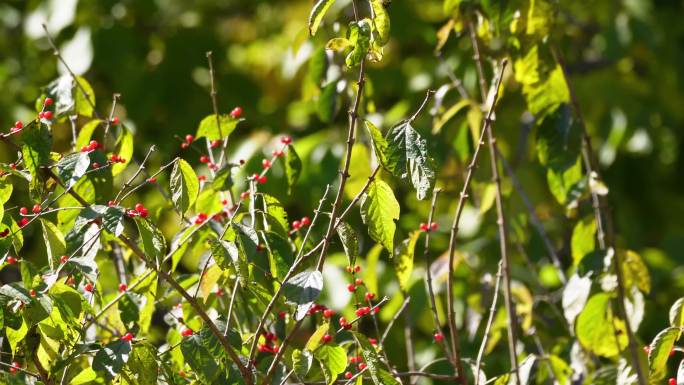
(184, 185)
(317, 12)
(407, 157)
(403, 259)
(293, 167)
(379, 210)
(209, 128)
(302, 290)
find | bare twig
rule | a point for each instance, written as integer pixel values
(604, 230)
(488, 327)
(455, 349)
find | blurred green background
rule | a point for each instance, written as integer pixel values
(625, 60)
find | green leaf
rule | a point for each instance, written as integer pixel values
(198, 357)
(659, 352)
(112, 218)
(210, 129)
(16, 336)
(124, 148)
(350, 242)
(208, 202)
(72, 167)
(85, 376)
(315, 340)
(359, 36)
(301, 362)
(338, 44)
(36, 150)
(317, 12)
(54, 242)
(153, 241)
(318, 66)
(184, 185)
(333, 360)
(566, 185)
(143, 364)
(302, 290)
(84, 102)
(276, 213)
(598, 330)
(403, 259)
(635, 272)
(6, 189)
(111, 359)
(227, 255)
(381, 22)
(327, 104)
(583, 240)
(86, 133)
(223, 180)
(559, 139)
(370, 357)
(280, 254)
(129, 308)
(380, 145)
(543, 82)
(379, 210)
(677, 313)
(407, 157)
(293, 167)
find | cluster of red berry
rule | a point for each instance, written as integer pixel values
(13, 367)
(46, 114)
(270, 345)
(296, 225)
(116, 158)
(138, 210)
(356, 362)
(35, 209)
(428, 226)
(92, 146)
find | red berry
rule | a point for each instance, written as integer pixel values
(184, 145)
(672, 381)
(189, 138)
(204, 159)
(152, 180)
(202, 178)
(139, 207)
(36, 208)
(327, 338)
(353, 360)
(286, 140)
(276, 348)
(306, 221)
(357, 268)
(277, 153)
(242, 161)
(359, 312)
(13, 368)
(439, 337)
(11, 260)
(296, 225)
(23, 211)
(373, 341)
(327, 313)
(18, 125)
(424, 227)
(181, 373)
(111, 203)
(647, 349)
(348, 375)
(88, 287)
(32, 293)
(349, 269)
(244, 195)
(236, 112)
(47, 102)
(369, 296)
(96, 165)
(362, 366)
(122, 287)
(115, 121)
(215, 143)
(351, 288)
(266, 163)
(63, 259)
(433, 226)
(358, 281)
(262, 179)
(13, 166)
(672, 352)
(23, 222)
(263, 348)
(128, 337)
(47, 115)
(282, 314)
(187, 332)
(93, 145)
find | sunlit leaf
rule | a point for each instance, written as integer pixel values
(380, 210)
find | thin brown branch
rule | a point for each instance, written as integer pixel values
(488, 327)
(604, 230)
(455, 349)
